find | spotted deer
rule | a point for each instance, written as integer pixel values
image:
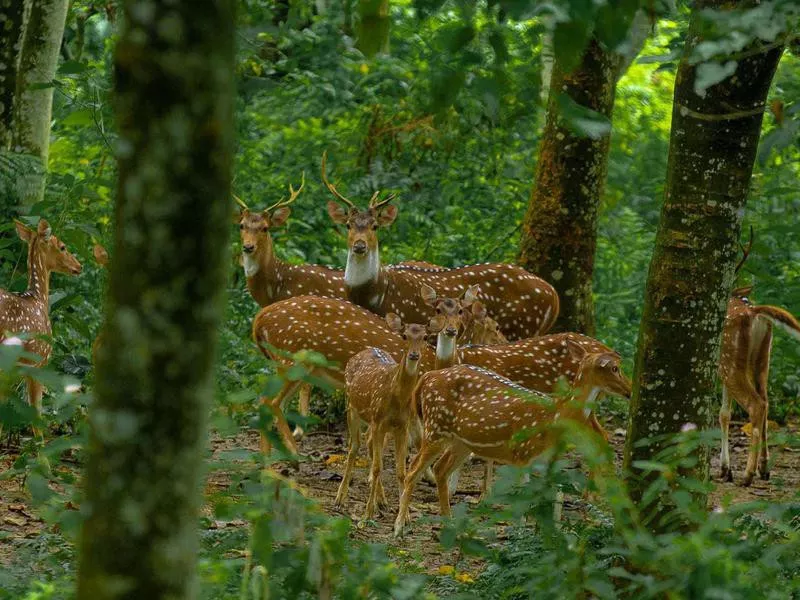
(744, 372)
(524, 305)
(378, 390)
(28, 312)
(269, 279)
(334, 328)
(468, 409)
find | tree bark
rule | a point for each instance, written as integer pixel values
(713, 146)
(174, 103)
(12, 27)
(559, 230)
(373, 27)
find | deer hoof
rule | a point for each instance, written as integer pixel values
(764, 475)
(747, 480)
(298, 433)
(726, 474)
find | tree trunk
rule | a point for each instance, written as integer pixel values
(713, 145)
(12, 13)
(34, 105)
(174, 99)
(373, 27)
(559, 230)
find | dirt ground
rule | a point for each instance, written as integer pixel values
(320, 473)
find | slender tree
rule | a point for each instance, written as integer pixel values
(559, 230)
(373, 27)
(174, 96)
(38, 61)
(715, 133)
(12, 15)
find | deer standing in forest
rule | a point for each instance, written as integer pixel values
(269, 279)
(28, 312)
(744, 371)
(468, 409)
(524, 305)
(378, 390)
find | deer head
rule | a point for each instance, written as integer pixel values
(449, 318)
(414, 336)
(600, 371)
(53, 252)
(255, 226)
(100, 255)
(363, 258)
(481, 328)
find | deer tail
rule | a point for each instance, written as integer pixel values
(781, 318)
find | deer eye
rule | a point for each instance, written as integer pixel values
(438, 311)
(375, 227)
(241, 226)
(405, 337)
(62, 247)
(614, 369)
(461, 311)
(265, 229)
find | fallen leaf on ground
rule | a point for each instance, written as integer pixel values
(18, 521)
(446, 570)
(334, 459)
(465, 578)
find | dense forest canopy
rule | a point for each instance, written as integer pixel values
(464, 110)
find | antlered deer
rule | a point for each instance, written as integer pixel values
(468, 409)
(524, 305)
(29, 312)
(269, 279)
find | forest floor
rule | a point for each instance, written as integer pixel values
(320, 472)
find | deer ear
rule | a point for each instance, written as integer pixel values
(471, 295)
(44, 229)
(576, 351)
(100, 255)
(387, 215)
(742, 292)
(337, 213)
(478, 310)
(23, 231)
(606, 359)
(428, 294)
(279, 216)
(436, 324)
(394, 322)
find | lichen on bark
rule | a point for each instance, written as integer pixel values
(713, 145)
(174, 97)
(559, 230)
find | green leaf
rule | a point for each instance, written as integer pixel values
(71, 67)
(581, 120)
(569, 41)
(79, 118)
(711, 73)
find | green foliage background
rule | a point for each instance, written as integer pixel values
(451, 121)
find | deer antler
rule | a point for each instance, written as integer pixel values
(375, 205)
(329, 185)
(292, 195)
(745, 252)
(240, 202)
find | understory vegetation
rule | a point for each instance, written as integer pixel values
(450, 120)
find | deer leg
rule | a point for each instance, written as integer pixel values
(354, 442)
(451, 460)
(400, 454)
(488, 475)
(427, 454)
(415, 436)
(725, 471)
(382, 502)
(378, 441)
(280, 420)
(302, 402)
(757, 419)
(761, 368)
(35, 391)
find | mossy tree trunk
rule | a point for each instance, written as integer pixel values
(373, 27)
(12, 21)
(38, 61)
(713, 146)
(559, 230)
(174, 97)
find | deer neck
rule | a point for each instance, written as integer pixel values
(585, 395)
(403, 382)
(38, 275)
(446, 351)
(263, 274)
(365, 281)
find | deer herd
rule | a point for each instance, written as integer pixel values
(457, 362)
